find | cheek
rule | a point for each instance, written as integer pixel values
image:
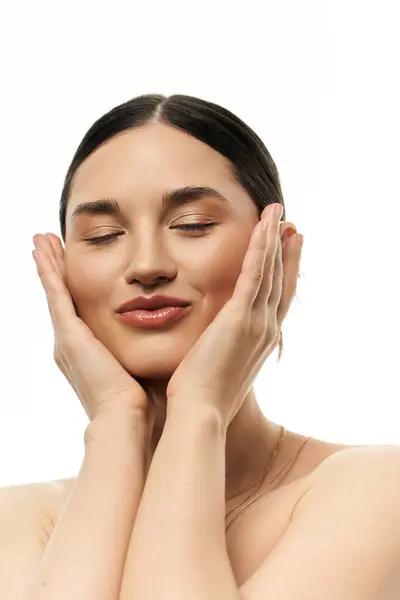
(219, 270)
(87, 283)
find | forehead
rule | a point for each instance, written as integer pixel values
(150, 159)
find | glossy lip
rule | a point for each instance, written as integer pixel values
(151, 303)
(139, 319)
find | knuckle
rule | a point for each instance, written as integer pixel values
(257, 276)
(239, 322)
(244, 328)
(258, 326)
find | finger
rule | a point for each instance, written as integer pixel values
(286, 227)
(287, 233)
(58, 298)
(63, 366)
(45, 245)
(270, 291)
(251, 275)
(291, 259)
(56, 251)
(265, 287)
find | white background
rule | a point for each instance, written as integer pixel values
(319, 82)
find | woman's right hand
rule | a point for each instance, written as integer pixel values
(99, 380)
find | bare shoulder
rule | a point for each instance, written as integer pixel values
(363, 461)
(314, 453)
(342, 539)
(41, 496)
(55, 495)
(374, 469)
(27, 513)
(64, 485)
(323, 466)
(38, 503)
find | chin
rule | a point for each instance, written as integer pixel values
(149, 355)
(150, 364)
(149, 372)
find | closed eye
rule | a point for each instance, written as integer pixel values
(194, 226)
(186, 227)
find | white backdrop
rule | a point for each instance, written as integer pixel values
(319, 82)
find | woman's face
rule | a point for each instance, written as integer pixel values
(149, 256)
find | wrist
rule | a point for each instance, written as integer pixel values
(119, 425)
(190, 412)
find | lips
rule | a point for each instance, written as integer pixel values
(151, 303)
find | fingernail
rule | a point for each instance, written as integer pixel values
(288, 233)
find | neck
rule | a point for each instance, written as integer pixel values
(250, 440)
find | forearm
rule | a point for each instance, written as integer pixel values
(178, 547)
(84, 559)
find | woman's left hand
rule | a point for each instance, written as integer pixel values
(221, 366)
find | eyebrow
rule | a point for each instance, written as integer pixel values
(177, 197)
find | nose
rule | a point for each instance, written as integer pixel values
(150, 261)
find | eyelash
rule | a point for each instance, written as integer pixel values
(112, 236)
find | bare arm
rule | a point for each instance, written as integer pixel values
(178, 546)
(85, 556)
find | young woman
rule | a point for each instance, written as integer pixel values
(177, 272)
